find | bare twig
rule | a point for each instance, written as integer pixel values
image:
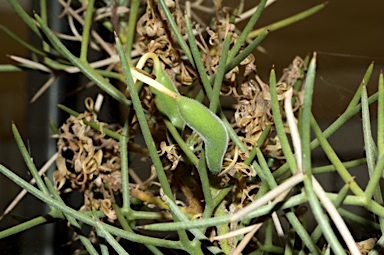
(246, 239)
(237, 232)
(279, 228)
(250, 12)
(43, 88)
(32, 64)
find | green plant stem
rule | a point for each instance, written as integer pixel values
(131, 28)
(146, 132)
(259, 143)
(373, 186)
(356, 98)
(330, 168)
(145, 215)
(244, 34)
(262, 191)
(44, 17)
(268, 233)
(85, 68)
(103, 232)
(28, 160)
(86, 219)
(316, 234)
(196, 56)
(143, 123)
(84, 240)
(296, 87)
(86, 31)
(322, 218)
(197, 233)
(370, 150)
(356, 218)
(306, 118)
(222, 194)
(112, 75)
(380, 116)
(51, 216)
(319, 214)
(11, 68)
(124, 224)
(92, 124)
(261, 211)
(331, 154)
(124, 166)
(205, 186)
(103, 249)
(290, 242)
(287, 21)
(223, 229)
(215, 98)
(268, 249)
(53, 127)
(369, 144)
(302, 233)
(179, 140)
(264, 171)
(24, 16)
(279, 125)
(244, 53)
(23, 43)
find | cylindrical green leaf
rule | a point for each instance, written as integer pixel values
(211, 129)
(165, 104)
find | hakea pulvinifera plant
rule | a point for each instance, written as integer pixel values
(220, 173)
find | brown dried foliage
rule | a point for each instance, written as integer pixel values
(88, 161)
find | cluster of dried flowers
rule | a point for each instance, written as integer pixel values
(155, 36)
(88, 161)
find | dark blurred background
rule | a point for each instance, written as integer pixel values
(347, 36)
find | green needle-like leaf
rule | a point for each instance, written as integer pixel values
(86, 219)
(356, 98)
(306, 117)
(380, 116)
(28, 160)
(85, 68)
(287, 21)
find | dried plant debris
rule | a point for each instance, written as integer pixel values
(155, 36)
(88, 161)
(253, 108)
